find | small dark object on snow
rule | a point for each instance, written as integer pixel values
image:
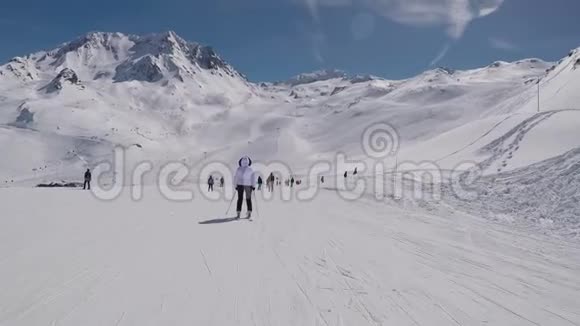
(59, 185)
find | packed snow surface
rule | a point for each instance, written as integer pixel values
(69, 259)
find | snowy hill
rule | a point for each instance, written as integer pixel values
(165, 99)
(501, 249)
(115, 89)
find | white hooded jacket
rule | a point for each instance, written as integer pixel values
(245, 175)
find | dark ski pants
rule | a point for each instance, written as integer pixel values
(248, 191)
(210, 187)
(87, 184)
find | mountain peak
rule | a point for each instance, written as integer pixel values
(318, 75)
(91, 39)
(166, 42)
(152, 57)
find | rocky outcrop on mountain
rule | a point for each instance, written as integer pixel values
(65, 76)
(361, 79)
(144, 69)
(19, 68)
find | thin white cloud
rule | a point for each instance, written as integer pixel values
(315, 38)
(455, 15)
(488, 7)
(317, 54)
(502, 44)
(313, 6)
(315, 35)
(440, 55)
(318, 40)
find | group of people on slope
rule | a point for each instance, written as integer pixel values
(245, 163)
(245, 181)
(211, 181)
(271, 181)
(355, 172)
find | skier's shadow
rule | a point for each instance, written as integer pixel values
(219, 221)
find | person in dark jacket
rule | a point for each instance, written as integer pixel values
(345, 174)
(292, 182)
(355, 171)
(260, 181)
(210, 183)
(88, 178)
(222, 181)
(270, 182)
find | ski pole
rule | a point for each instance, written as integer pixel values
(256, 200)
(230, 206)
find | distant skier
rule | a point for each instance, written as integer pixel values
(345, 174)
(292, 182)
(210, 184)
(270, 182)
(244, 180)
(322, 179)
(88, 178)
(260, 181)
(222, 182)
(355, 171)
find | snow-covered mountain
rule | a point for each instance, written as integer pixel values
(117, 73)
(163, 98)
(320, 75)
(122, 57)
(105, 89)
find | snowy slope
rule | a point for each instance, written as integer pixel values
(159, 89)
(165, 99)
(505, 254)
(323, 262)
(544, 194)
(559, 88)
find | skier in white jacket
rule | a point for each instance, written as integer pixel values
(245, 180)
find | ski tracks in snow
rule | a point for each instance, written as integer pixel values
(323, 262)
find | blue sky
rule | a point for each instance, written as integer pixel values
(275, 39)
